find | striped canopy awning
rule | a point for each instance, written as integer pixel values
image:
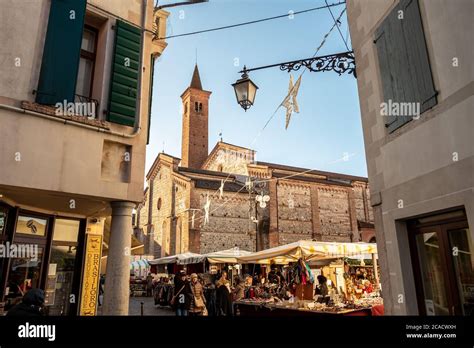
(137, 264)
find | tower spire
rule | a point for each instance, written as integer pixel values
(196, 80)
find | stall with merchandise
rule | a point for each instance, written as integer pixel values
(314, 278)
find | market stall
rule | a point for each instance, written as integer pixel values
(138, 271)
(313, 278)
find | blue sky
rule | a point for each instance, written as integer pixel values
(329, 123)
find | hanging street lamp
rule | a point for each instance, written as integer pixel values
(340, 63)
(245, 90)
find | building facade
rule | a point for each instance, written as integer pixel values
(415, 81)
(249, 204)
(76, 79)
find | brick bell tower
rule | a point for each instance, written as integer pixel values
(195, 134)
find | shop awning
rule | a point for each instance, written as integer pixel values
(139, 264)
(309, 250)
(226, 256)
(180, 259)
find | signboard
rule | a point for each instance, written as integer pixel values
(90, 278)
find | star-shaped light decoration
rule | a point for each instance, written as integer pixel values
(291, 202)
(221, 190)
(207, 205)
(290, 103)
(249, 184)
(262, 199)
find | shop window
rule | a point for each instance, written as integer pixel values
(31, 225)
(24, 274)
(61, 266)
(3, 220)
(442, 258)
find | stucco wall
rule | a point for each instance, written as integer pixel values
(58, 157)
(428, 163)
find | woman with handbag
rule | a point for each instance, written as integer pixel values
(198, 304)
(182, 294)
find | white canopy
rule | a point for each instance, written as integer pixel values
(180, 259)
(226, 256)
(309, 250)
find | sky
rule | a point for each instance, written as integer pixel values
(326, 134)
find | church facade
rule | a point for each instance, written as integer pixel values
(205, 202)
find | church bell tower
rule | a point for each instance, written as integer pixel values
(195, 133)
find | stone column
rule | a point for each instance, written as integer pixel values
(117, 277)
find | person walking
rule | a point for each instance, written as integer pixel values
(198, 304)
(149, 285)
(223, 296)
(182, 294)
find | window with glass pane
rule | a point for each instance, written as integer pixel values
(3, 220)
(66, 230)
(463, 261)
(86, 63)
(434, 285)
(24, 274)
(61, 266)
(31, 225)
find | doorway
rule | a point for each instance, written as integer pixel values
(442, 255)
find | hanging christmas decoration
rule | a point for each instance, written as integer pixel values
(221, 190)
(290, 103)
(249, 184)
(291, 201)
(207, 206)
(262, 199)
(192, 219)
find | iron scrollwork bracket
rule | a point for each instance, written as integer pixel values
(340, 63)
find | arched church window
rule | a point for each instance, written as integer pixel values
(200, 107)
(196, 106)
(158, 205)
(220, 168)
(186, 108)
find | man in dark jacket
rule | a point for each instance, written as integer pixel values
(183, 294)
(31, 305)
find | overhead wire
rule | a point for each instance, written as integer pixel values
(252, 22)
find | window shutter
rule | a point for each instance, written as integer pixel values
(403, 59)
(61, 52)
(418, 59)
(125, 73)
(382, 36)
(150, 98)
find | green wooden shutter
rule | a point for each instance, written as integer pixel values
(61, 52)
(125, 73)
(404, 65)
